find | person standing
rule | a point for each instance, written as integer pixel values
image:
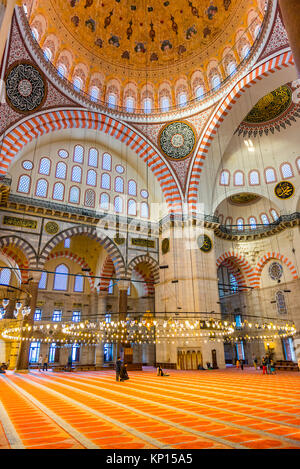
(123, 373)
(255, 362)
(242, 364)
(118, 368)
(45, 365)
(264, 365)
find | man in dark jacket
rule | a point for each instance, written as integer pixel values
(123, 373)
(118, 368)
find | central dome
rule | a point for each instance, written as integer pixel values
(145, 34)
(152, 43)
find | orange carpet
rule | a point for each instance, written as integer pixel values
(191, 410)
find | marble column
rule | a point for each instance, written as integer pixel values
(23, 358)
(126, 349)
(290, 10)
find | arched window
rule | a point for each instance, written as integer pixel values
(47, 54)
(298, 164)
(118, 204)
(35, 34)
(105, 181)
(5, 275)
(132, 187)
(264, 218)
(286, 171)
(129, 104)
(41, 188)
(224, 178)
(24, 184)
(61, 278)
(119, 184)
(147, 106)
(61, 170)
(45, 165)
(91, 178)
(67, 243)
(112, 101)
(79, 283)
(252, 223)
(77, 84)
(74, 195)
(61, 70)
(93, 157)
(76, 174)
(182, 99)
(104, 201)
(199, 92)
(228, 221)
(131, 207)
(43, 281)
(231, 68)
(215, 82)
(240, 224)
(239, 178)
(144, 210)
(254, 178)
(274, 214)
(245, 52)
(106, 162)
(58, 191)
(94, 93)
(165, 104)
(110, 292)
(78, 154)
(280, 302)
(270, 175)
(89, 200)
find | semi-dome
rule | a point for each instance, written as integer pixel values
(163, 52)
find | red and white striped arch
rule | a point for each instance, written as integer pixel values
(234, 269)
(50, 121)
(17, 263)
(276, 256)
(78, 260)
(147, 278)
(107, 271)
(235, 259)
(269, 67)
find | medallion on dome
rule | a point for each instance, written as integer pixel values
(284, 190)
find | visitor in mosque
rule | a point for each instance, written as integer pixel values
(45, 363)
(272, 367)
(2, 370)
(255, 363)
(4, 366)
(160, 371)
(237, 363)
(242, 364)
(69, 364)
(123, 372)
(118, 368)
(264, 365)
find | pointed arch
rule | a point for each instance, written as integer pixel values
(149, 261)
(33, 127)
(107, 271)
(92, 233)
(23, 246)
(233, 258)
(268, 68)
(276, 256)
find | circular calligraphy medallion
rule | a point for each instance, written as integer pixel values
(26, 88)
(177, 140)
(205, 243)
(51, 227)
(165, 245)
(284, 190)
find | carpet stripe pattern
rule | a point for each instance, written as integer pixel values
(187, 410)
